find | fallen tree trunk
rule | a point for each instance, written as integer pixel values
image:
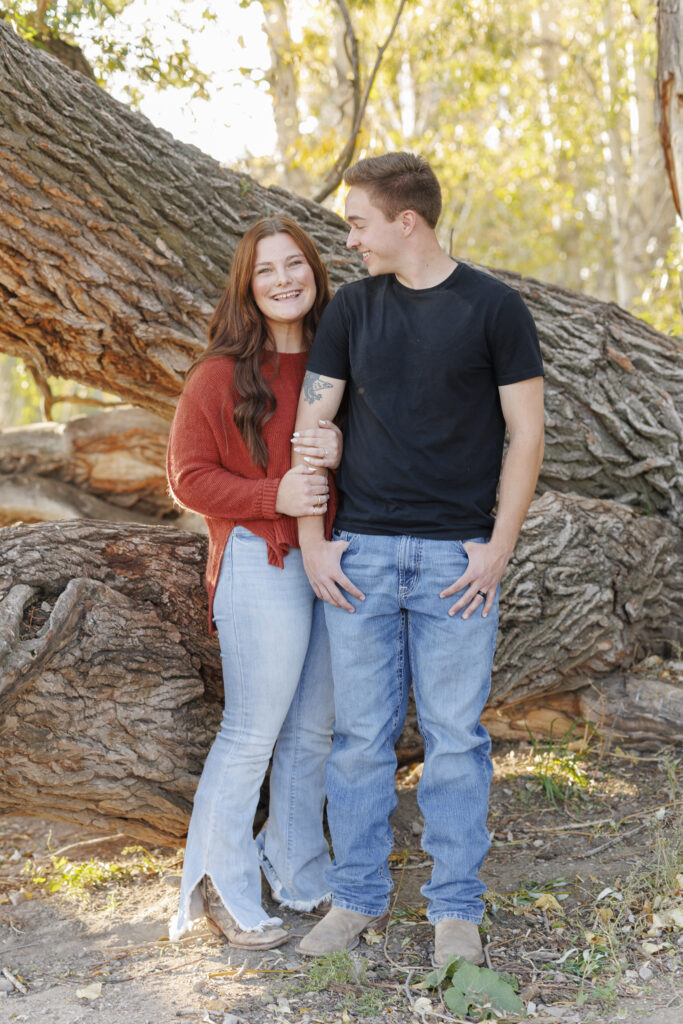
(106, 466)
(114, 244)
(641, 710)
(111, 687)
(111, 690)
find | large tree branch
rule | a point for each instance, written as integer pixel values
(111, 689)
(114, 244)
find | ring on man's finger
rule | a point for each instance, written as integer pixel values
(482, 593)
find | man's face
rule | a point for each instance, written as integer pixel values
(378, 240)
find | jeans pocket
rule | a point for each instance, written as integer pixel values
(350, 538)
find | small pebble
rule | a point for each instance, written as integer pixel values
(645, 973)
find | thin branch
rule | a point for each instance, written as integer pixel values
(345, 157)
(47, 398)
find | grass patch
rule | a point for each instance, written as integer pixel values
(557, 766)
(78, 878)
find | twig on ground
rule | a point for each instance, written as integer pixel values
(15, 981)
(611, 842)
(88, 842)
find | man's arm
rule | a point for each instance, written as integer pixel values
(320, 399)
(522, 406)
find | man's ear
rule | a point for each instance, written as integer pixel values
(408, 222)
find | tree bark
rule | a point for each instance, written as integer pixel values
(111, 687)
(106, 466)
(110, 692)
(114, 245)
(669, 95)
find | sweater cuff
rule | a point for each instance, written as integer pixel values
(269, 497)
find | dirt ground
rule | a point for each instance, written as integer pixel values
(584, 908)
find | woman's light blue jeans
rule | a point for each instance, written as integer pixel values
(402, 631)
(278, 690)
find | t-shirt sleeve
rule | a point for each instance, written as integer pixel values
(329, 354)
(513, 342)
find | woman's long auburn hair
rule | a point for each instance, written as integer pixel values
(238, 329)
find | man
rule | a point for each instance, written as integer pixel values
(439, 359)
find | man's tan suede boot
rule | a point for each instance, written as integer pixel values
(338, 930)
(453, 937)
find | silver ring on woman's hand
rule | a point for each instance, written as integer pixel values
(325, 453)
(482, 593)
(320, 500)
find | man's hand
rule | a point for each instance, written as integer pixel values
(322, 563)
(482, 576)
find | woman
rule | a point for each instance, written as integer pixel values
(228, 459)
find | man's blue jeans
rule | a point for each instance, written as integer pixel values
(402, 632)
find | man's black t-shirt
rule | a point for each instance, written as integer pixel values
(423, 437)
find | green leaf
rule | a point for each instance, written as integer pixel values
(434, 978)
(478, 987)
(456, 1002)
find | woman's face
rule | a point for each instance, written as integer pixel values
(282, 281)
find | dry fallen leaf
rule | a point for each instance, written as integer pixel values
(215, 1005)
(546, 901)
(653, 947)
(372, 937)
(92, 991)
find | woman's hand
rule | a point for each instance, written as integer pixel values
(302, 492)
(320, 447)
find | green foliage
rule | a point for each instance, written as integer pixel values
(558, 769)
(21, 402)
(338, 967)
(538, 119)
(99, 29)
(79, 878)
(477, 992)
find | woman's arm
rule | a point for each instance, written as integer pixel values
(197, 479)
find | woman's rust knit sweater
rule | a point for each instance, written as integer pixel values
(211, 472)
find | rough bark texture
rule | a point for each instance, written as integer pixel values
(115, 241)
(670, 93)
(111, 691)
(111, 688)
(106, 466)
(639, 710)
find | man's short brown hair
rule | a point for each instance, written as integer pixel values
(397, 182)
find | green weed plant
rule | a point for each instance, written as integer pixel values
(476, 992)
(79, 878)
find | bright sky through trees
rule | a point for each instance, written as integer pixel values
(237, 119)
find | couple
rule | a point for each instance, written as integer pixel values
(438, 359)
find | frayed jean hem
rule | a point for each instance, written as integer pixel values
(277, 888)
(189, 913)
